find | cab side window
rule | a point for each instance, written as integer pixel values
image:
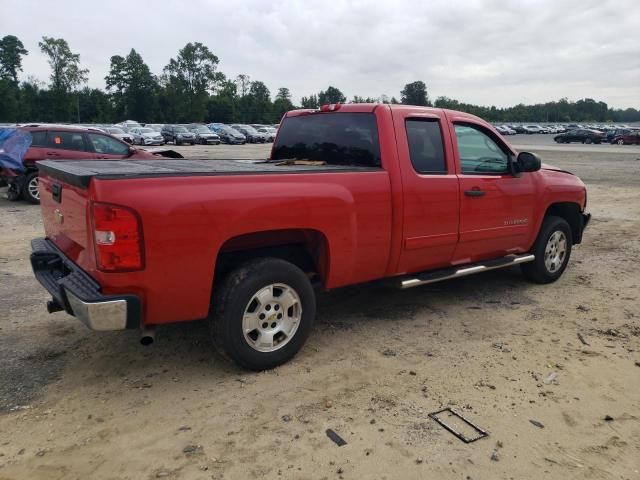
(479, 153)
(107, 145)
(425, 146)
(66, 140)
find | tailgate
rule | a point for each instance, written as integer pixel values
(65, 214)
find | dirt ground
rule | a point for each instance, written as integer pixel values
(506, 354)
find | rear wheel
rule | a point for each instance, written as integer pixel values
(552, 250)
(30, 189)
(620, 142)
(587, 140)
(263, 312)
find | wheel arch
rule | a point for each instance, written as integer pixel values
(308, 249)
(571, 212)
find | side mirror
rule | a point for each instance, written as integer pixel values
(528, 162)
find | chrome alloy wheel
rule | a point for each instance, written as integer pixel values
(555, 251)
(32, 188)
(272, 317)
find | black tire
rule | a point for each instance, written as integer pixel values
(27, 192)
(233, 296)
(537, 271)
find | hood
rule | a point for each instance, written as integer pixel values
(546, 166)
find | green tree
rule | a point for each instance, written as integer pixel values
(222, 106)
(310, 102)
(243, 84)
(282, 104)
(11, 52)
(192, 76)
(359, 99)
(259, 103)
(415, 93)
(133, 88)
(331, 95)
(66, 75)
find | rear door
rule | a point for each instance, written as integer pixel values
(429, 188)
(496, 208)
(37, 149)
(67, 145)
(106, 147)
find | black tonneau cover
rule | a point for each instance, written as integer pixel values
(80, 172)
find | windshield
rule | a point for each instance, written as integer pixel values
(115, 130)
(181, 130)
(335, 138)
(201, 129)
(146, 130)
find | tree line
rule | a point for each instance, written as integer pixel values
(191, 88)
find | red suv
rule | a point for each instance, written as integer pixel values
(627, 137)
(51, 142)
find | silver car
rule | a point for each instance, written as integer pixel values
(146, 136)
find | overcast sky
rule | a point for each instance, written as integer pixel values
(484, 52)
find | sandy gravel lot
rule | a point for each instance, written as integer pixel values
(75, 404)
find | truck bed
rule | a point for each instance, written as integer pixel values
(80, 172)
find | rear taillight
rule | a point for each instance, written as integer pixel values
(117, 234)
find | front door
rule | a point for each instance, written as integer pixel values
(496, 208)
(106, 147)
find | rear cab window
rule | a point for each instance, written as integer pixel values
(334, 138)
(426, 149)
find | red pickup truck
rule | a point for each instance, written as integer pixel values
(350, 194)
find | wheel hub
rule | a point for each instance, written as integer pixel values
(32, 187)
(272, 317)
(555, 251)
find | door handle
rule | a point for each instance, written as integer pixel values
(474, 192)
(53, 154)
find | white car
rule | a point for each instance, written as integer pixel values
(270, 132)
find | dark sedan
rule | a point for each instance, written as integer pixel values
(203, 135)
(228, 134)
(581, 135)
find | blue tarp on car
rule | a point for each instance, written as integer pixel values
(14, 144)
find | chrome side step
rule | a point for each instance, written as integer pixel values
(456, 272)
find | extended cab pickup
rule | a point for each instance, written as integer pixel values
(351, 193)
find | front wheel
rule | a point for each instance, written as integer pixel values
(552, 250)
(263, 312)
(30, 190)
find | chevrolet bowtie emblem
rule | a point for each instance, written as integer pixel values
(58, 216)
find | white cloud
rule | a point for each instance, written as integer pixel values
(486, 52)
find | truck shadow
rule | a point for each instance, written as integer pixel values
(184, 352)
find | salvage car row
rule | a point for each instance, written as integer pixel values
(615, 134)
(194, 133)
